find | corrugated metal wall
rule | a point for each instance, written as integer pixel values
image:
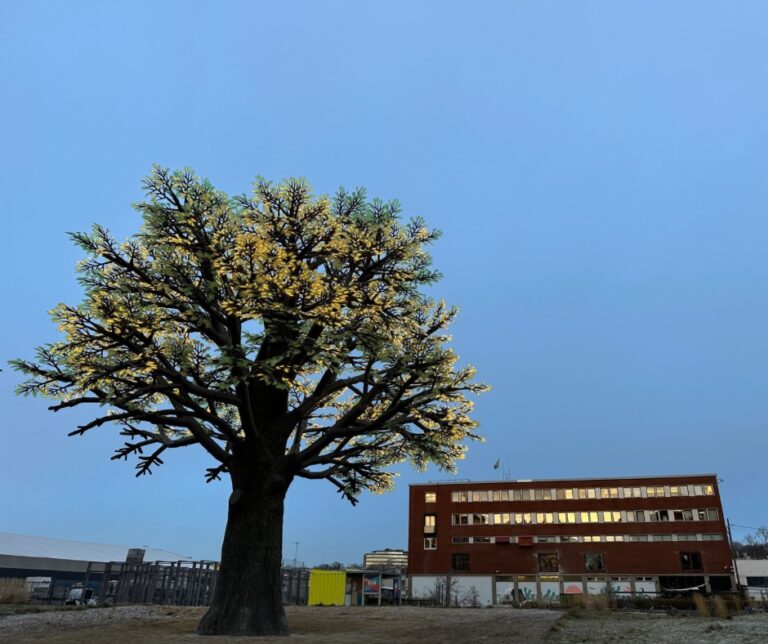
(327, 587)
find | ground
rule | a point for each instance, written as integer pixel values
(404, 625)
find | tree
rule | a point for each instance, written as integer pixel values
(285, 334)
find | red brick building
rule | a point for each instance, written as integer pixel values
(518, 540)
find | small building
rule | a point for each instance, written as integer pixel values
(753, 577)
(386, 559)
(521, 541)
(355, 587)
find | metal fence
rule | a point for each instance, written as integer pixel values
(180, 583)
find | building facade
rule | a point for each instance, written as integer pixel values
(518, 541)
(385, 559)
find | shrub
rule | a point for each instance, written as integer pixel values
(13, 591)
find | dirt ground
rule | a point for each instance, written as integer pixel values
(406, 625)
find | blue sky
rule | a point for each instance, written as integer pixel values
(598, 170)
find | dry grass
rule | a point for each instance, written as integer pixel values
(702, 608)
(13, 591)
(720, 607)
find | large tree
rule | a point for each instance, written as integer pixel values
(286, 334)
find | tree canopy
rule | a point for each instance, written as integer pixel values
(278, 328)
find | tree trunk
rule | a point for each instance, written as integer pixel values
(248, 596)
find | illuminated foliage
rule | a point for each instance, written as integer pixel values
(280, 328)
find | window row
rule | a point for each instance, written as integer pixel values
(564, 494)
(548, 562)
(430, 543)
(602, 516)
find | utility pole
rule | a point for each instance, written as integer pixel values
(733, 557)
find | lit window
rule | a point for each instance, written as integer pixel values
(429, 522)
(607, 516)
(591, 493)
(582, 493)
(548, 562)
(569, 494)
(709, 489)
(430, 543)
(674, 490)
(430, 497)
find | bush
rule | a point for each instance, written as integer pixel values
(13, 591)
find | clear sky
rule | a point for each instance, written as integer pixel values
(598, 170)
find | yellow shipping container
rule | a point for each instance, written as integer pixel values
(327, 587)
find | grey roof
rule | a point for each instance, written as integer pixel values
(565, 480)
(22, 545)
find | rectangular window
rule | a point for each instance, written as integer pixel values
(593, 562)
(711, 537)
(702, 514)
(479, 519)
(662, 537)
(709, 490)
(674, 490)
(683, 490)
(430, 543)
(638, 537)
(640, 516)
(548, 562)
(459, 539)
(569, 494)
(712, 514)
(758, 582)
(545, 540)
(538, 495)
(525, 495)
(460, 561)
(591, 493)
(690, 560)
(698, 490)
(460, 519)
(677, 515)
(687, 515)
(569, 539)
(430, 497)
(429, 520)
(637, 492)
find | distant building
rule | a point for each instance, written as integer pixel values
(387, 558)
(64, 560)
(518, 541)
